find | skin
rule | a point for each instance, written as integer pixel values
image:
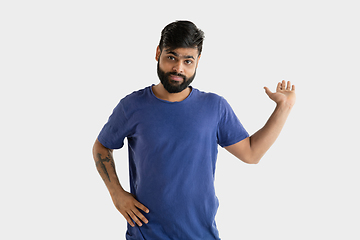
(180, 60)
(249, 150)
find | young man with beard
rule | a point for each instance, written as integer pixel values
(173, 133)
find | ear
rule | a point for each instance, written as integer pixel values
(197, 61)
(158, 53)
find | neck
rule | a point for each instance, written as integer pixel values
(162, 93)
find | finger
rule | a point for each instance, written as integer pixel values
(142, 207)
(283, 85)
(128, 219)
(278, 87)
(139, 215)
(288, 85)
(267, 91)
(136, 220)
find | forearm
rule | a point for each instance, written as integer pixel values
(262, 140)
(106, 167)
(124, 202)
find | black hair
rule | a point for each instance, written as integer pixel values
(181, 34)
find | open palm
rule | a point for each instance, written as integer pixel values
(285, 94)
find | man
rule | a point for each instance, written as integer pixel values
(173, 133)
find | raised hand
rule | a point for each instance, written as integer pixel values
(285, 94)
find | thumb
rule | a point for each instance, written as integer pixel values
(267, 91)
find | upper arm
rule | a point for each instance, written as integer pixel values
(242, 150)
(99, 148)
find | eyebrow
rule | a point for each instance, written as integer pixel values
(177, 55)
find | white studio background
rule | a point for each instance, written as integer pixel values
(64, 65)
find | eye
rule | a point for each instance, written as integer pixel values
(171, 58)
(188, 62)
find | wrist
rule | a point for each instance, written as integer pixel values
(116, 190)
(284, 105)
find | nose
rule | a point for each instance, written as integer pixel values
(178, 67)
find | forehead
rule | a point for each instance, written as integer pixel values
(182, 52)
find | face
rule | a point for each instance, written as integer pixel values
(177, 68)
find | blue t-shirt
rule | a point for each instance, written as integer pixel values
(172, 157)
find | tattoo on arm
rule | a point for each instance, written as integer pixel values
(101, 166)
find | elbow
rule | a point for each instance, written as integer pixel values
(256, 161)
(252, 160)
(253, 157)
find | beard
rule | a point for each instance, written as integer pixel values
(174, 86)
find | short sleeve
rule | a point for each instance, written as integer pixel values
(230, 130)
(115, 130)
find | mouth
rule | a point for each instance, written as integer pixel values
(176, 78)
